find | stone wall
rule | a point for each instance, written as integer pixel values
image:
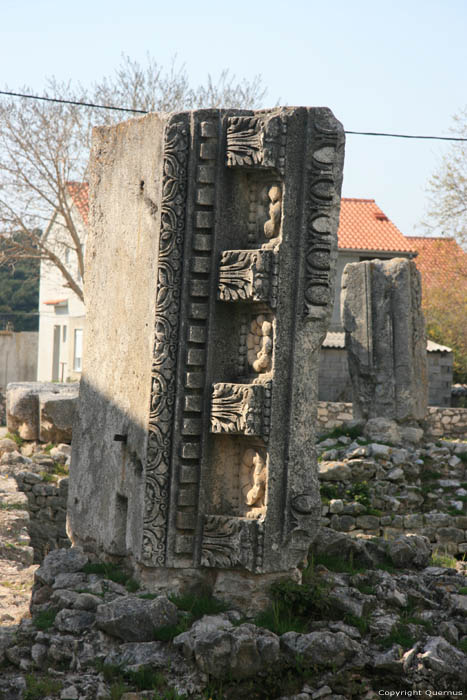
(442, 422)
(375, 490)
(47, 504)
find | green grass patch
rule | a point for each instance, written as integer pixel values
(13, 506)
(400, 634)
(113, 573)
(48, 477)
(361, 623)
(194, 607)
(40, 688)
(341, 565)
(445, 560)
(45, 619)
(16, 438)
(463, 590)
(340, 431)
(145, 678)
(365, 588)
(199, 605)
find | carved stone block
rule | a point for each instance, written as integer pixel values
(238, 408)
(245, 275)
(209, 280)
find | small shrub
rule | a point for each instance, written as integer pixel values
(45, 619)
(39, 688)
(329, 491)
(463, 457)
(48, 447)
(361, 623)
(359, 492)
(462, 645)
(353, 433)
(430, 475)
(335, 563)
(463, 591)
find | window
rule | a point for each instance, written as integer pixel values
(78, 352)
(64, 328)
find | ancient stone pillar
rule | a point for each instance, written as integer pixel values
(385, 339)
(209, 284)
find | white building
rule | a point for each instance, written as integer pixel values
(61, 311)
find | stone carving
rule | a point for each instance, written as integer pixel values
(189, 493)
(243, 141)
(237, 408)
(272, 226)
(259, 344)
(244, 275)
(165, 343)
(229, 542)
(324, 179)
(253, 483)
(385, 339)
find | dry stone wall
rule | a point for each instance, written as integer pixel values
(441, 422)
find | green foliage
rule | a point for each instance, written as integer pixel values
(40, 688)
(430, 475)
(336, 563)
(45, 619)
(329, 491)
(113, 573)
(359, 492)
(361, 623)
(463, 455)
(463, 590)
(19, 291)
(462, 645)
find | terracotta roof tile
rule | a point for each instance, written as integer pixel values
(363, 226)
(441, 261)
(79, 192)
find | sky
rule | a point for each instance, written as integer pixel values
(398, 66)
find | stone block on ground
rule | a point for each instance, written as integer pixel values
(27, 406)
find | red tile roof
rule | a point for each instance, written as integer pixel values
(363, 226)
(79, 192)
(441, 261)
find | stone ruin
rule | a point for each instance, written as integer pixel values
(210, 268)
(386, 345)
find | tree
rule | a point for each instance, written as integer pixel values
(19, 294)
(447, 188)
(45, 145)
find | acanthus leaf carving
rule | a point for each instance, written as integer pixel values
(244, 145)
(245, 275)
(237, 408)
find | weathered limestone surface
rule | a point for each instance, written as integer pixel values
(385, 339)
(41, 410)
(210, 278)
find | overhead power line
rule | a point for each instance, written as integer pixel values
(144, 111)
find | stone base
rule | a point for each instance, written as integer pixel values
(246, 592)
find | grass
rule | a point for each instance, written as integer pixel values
(113, 573)
(462, 645)
(430, 475)
(361, 623)
(194, 608)
(39, 688)
(13, 506)
(400, 634)
(329, 491)
(48, 478)
(45, 619)
(462, 591)
(145, 678)
(339, 431)
(445, 560)
(16, 438)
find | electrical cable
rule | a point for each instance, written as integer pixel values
(143, 111)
